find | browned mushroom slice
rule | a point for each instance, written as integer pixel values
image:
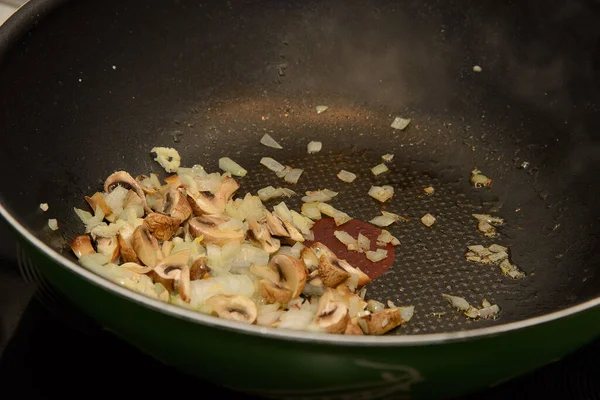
(161, 226)
(208, 225)
(175, 268)
(234, 307)
(198, 269)
(174, 181)
(320, 249)
(166, 248)
(314, 285)
(283, 280)
(132, 199)
(97, 200)
(122, 178)
(126, 251)
(275, 225)
(82, 246)
(176, 205)
(273, 292)
(207, 202)
(260, 236)
(361, 277)
(330, 271)
(146, 246)
(145, 188)
(109, 247)
(332, 316)
(310, 258)
(387, 319)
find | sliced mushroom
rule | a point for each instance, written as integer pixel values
(362, 278)
(284, 279)
(109, 247)
(275, 225)
(146, 246)
(175, 268)
(126, 251)
(234, 307)
(384, 320)
(82, 246)
(206, 202)
(137, 268)
(174, 181)
(330, 271)
(166, 248)
(198, 269)
(314, 285)
(132, 199)
(332, 316)
(320, 249)
(161, 226)
(145, 188)
(176, 205)
(260, 236)
(97, 200)
(310, 258)
(353, 328)
(122, 178)
(208, 226)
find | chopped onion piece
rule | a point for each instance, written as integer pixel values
(293, 176)
(53, 224)
(283, 212)
(374, 306)
(272, 164)
(321, 109)
(387, 157)
(391, 304)
(338, 216)
(301, 223)
(379, 169)
(228, 165)
(364, 243)
(283, 172)
(485, 303)
(429, 190)
(314, 147)
(167, 157)
(386, 237)
(400, 123)
(382, 220)
(428, 220)
(346, 176)
(458, 302)
(44, 206)
(311, 210)
(489, 312)
(362, 293)
(346, 238)
(319, 196)
(377, 255)
(231, 225)
(268, 141)
(269, 192)
(381, 193)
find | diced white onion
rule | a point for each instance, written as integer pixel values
(293, 176)
(321, 109)
(53, 224)
(227, 284)
(374, 306)
(377, 255)
(364, 243)
(428, 220)
(115, 200)
(382, 220)
(379, 169)
(83, 215)
(302, 223)
(381, 193)
(387, 157)
(346, 176)
(268, 141)
(167, 157)
(228, 165)
(311, 210)
(110, 230)
(283, 212)
(338, 216)
(400, 123)
(44, 206)
(269, 192)
(314, 147)
(384, 237)
(271, 164)
(283, 172)
(231, 225)
(457, 302)
(319, 196)
(345, 238)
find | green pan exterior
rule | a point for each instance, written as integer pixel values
(289, 369)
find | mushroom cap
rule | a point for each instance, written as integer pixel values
(198, 269)
(259, 234)
(273, 292)
(161, 226)
(175, 267)
(126, 251)
(109, 247)
(291, 273)
(122, 178)
(353, 328)
(234, 307)
(97, 200)
(208, 225)
(82, 246)
(330, 271)
(176, 205)
(332, 315)
(207, 202)
(384, 320)
(146, 246)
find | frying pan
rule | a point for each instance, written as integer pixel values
(89, 87)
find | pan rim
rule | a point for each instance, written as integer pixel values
(280, 334)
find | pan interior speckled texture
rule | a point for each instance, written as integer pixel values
(211, 79)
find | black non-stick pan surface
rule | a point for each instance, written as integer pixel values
(211, 78)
